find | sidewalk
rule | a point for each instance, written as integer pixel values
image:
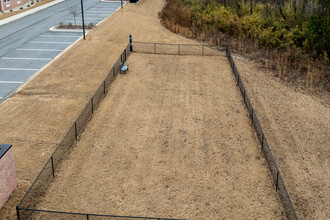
(28, 12)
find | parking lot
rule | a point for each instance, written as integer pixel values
(94, 14)
(24, 61)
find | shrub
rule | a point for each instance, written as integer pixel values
(272, 28)
(303, 37)
(90, 25)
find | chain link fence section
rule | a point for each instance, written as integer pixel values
(54, 215)
(25, 209)
(275, 173)
(177, 49)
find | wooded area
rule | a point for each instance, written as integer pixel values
(303, 25)
(294, 34)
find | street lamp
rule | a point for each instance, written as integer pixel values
(82, 17)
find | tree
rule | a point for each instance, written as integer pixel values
(206, 3)
(280, 9)
(294, 3)
(73, 11)
(251, 7)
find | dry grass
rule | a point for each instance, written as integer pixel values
(267, 64)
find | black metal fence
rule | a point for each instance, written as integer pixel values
(277, 179)
(54, 215)
(176, 49)
(26, 207)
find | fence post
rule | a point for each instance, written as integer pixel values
(130, 43)
(244, 95)
(87, 217)
(252, 114)
(75, 129)
(52, 166)
(92, 101)
(154, 48)
(277, 180)
(17, 212)
(179, 49)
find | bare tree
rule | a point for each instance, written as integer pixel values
(251, 7)
(206, 3)
(280, 9)
(294, 6)
(74, 12)
(303, 9)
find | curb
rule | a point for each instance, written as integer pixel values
(54, 29)
(28, 12)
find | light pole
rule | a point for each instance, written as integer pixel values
(121, 3)
(82, 17)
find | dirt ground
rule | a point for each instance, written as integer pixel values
(36, 119)
(171, 139)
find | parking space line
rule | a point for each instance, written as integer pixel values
(18, 69)
(10, 82)
(100, 11)
(95, 13)
(105, 7)
(41, 50)
(48, 35)
(49, 42)
(23, 58)
(92, 16)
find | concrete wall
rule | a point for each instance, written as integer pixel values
(11, 4)
(7, 176)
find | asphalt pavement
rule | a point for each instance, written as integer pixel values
(27, 44)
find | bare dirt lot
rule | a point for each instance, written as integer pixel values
(171, 139)
(36, 119)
